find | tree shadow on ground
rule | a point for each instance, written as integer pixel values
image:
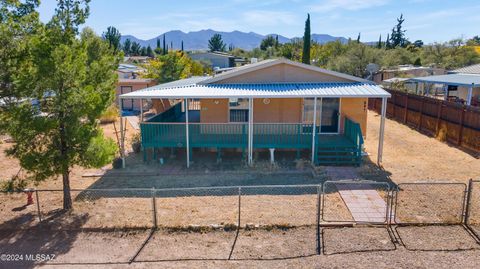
(38, 238)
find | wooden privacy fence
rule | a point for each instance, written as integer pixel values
(451, 122)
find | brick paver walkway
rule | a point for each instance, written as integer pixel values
(362, 200)
(364, 203)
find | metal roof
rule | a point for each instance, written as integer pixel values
(267, 90)
(472, 69)
(178, 83)
(451, 79)
(271, 62)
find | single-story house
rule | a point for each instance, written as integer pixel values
(216, 59)
(273, 104)
(406, 71)
(127, 85)
(463, 88)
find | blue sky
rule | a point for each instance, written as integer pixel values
(429, 20)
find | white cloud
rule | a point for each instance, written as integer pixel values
(269, 18)
(329, 5)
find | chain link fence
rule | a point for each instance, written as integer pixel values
(246, 222)
(430, 203)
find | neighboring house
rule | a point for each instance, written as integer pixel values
(273, 104)
(129, 71)
(136, 59)
(216, 59)
(460, 88)
(131, 85)
(406, 71)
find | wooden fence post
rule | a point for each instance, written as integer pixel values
(405, 115)
(460, 132)
(421, 114)
(439, 115)
(394, 104)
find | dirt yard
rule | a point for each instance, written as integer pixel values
(410, 156)
(359, 247)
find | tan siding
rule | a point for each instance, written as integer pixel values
(278, 110)
(356, 110)
(135, 87)
(214, 113)
(283, 73)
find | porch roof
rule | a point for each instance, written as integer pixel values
(451, 79)
(267, 90)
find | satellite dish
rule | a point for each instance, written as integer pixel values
(372, 69)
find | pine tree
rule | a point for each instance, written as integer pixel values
(388, 45)
(379, 44)
(164, 45)
(398, 35)
(182, 45)
(158, 43)
(113, 36)
(276, 42)
(127, 47)
(150, 52)
(216, 43)
(358, 38)
(171, 45)
(78, 72)
(306, 42)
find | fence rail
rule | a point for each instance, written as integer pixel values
(330, 202)
(455, 123)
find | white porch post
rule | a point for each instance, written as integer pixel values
(382, 130)
(141, 110)
(469, 95)
(314, 128)
(122, 135)
(250, 131)
(187, 138)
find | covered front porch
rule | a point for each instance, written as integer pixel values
(324, 142)
(268, 107)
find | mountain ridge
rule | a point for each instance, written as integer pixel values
(198, 40)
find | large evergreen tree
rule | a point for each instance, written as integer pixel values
(127, 46)
(398, 34)
(165, 50)
(379, 43)
(136, 49)
(306, 42)
(112, 35)
(18, 23)
(268, 42)
(74, 76)
(216, 43)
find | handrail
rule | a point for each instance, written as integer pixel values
(353, 131)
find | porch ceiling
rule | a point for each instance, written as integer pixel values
(269, 90)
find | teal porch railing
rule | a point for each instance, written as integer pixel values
(343, 149)
(353, 132)
(156, 135)
(220, 135)
(330, 148)
(282, 135)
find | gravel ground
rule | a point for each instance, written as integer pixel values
(290, 248)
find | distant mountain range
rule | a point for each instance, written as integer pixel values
(199, 40)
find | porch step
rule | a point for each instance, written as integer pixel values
(342, 155)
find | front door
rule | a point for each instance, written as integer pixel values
(330, 115)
